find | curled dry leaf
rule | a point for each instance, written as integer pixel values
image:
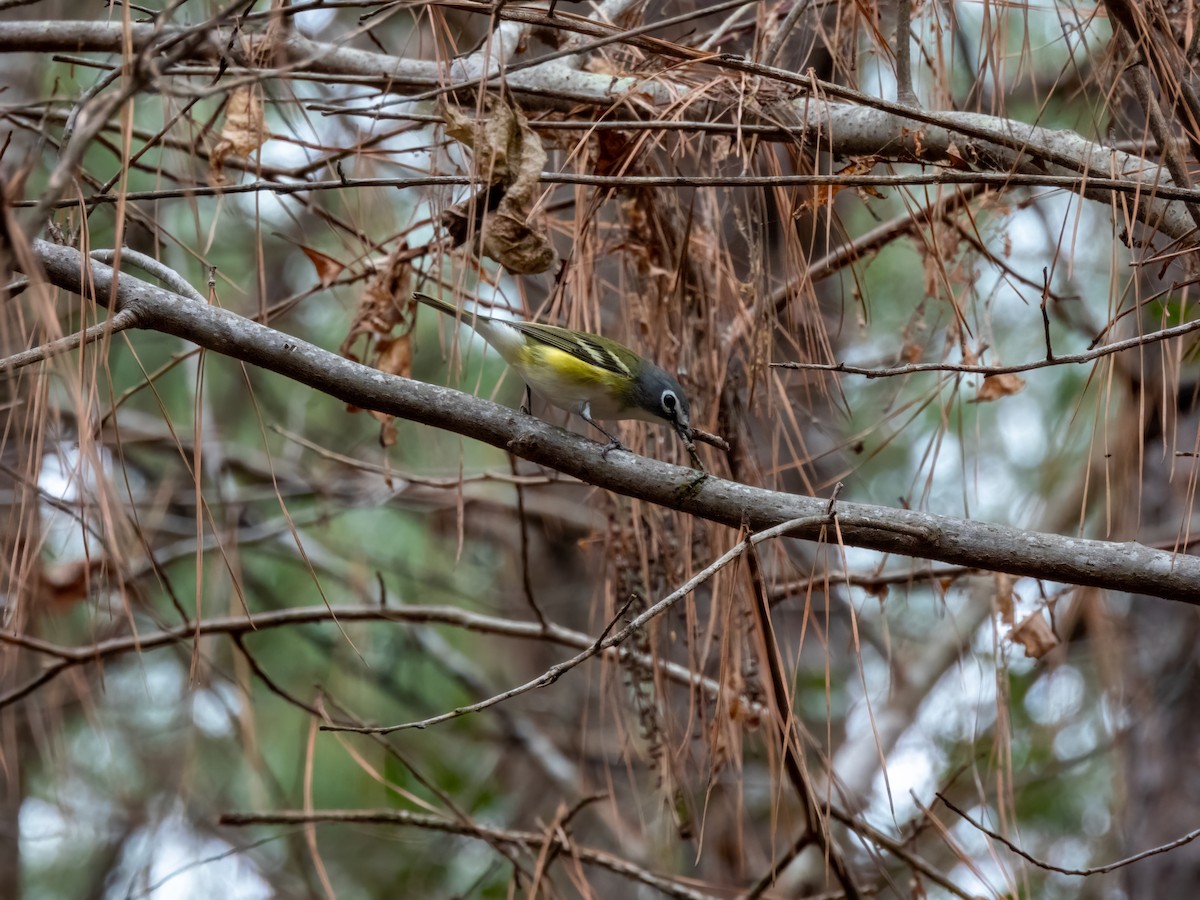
(996, 386)
(1035, 635)
(383, 308)
(244, 131)
(825, 194)
(328, 268)
(511, 155)
(954, 155)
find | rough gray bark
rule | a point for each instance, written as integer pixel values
(1121, 566)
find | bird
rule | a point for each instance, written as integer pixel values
(586, 374)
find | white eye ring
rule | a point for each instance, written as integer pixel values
(669, 401)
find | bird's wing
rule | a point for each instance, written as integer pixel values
(608, 355)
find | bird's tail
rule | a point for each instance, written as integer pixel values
(442, 306)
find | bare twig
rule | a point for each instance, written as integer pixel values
(475, 830)
(66, 657)
(1091, 870)
(556, 671)
(1076, 183)
(904, 78)
(1152, 337)
(119, 321)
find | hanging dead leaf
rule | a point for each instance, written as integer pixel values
(394, 355)
(387, 427)
(383, 308)
(996, 386)
(1035, 635)
(508, 152)
(516, 245)
(955, 157)
(468, 218)
(825, 194)
(244, 131)
(328, 268)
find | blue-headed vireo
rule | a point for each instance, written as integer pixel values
(583, 373)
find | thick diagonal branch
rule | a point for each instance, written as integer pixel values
(1107, 564)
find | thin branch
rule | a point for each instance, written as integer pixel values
(900, 850)
(235, 626)
(125, 318)
(1093, 870)
(1075, 183)
(1141, 340)
(860, 124)
(475, 830)
(606, 640)
(769, 877)
(875, 239)
(904, 78)
(771, 56)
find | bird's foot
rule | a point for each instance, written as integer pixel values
(613, 444)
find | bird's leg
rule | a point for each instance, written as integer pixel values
(527, 403)
(585, 413)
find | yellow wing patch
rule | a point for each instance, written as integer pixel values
(540, 361)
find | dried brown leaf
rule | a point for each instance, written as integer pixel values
(520, 248)
(1035, 635)
(996, 386)
(511, 156)
(612, 152)
(383, 307)
(387, 427)
(824, 195)
(394, 355)
(244, 130)
(956, 157)
(744, 713)
(879, 591)
(328, 268)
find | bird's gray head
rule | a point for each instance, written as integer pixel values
(663, 398)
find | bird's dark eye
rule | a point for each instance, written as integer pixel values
(669, 402)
